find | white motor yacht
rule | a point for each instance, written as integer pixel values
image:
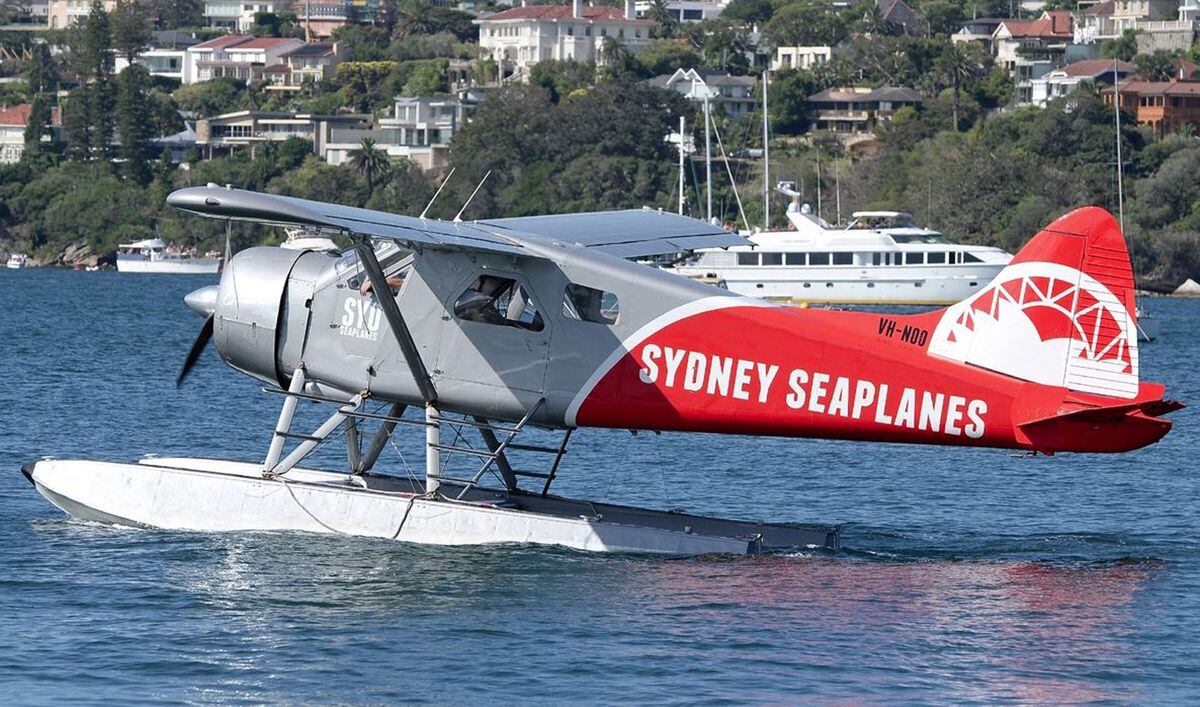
(153, 256)
(16, 261)
(881, 257)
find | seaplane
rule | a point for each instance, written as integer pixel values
(476, 332)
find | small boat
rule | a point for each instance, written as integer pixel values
(154, 256)
(16, 261)
(881, 257)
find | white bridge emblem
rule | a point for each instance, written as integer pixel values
(1046, 323)
(360, 318)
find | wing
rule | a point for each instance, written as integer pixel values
(635, 233)
(623, 234)
(241, 205)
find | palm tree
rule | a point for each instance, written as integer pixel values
(414, 17)
(613, 53)
(371, 161)
(957, 66)
(663, 16)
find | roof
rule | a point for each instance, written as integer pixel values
(264, 42)
(1056, 24)
(276, 69)
(223, 41)
(17, 115)
(311, 49)
(1164, 88)
(1101, 8)
(1093, 68)
(557, 13)
(849, 95)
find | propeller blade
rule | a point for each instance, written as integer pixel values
(206, 332)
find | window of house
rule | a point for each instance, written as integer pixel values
(772, 258)
(748, 258)
(498, 300)
(587, 304)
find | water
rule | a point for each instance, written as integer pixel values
(967, 575)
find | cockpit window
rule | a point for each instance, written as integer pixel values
(498, 300)
(590, 305)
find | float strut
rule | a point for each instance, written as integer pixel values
(433, 456)
(285, 419)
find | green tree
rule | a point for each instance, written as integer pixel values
(722, 45)
(130, 29)
(757, 12)
(874, 24)
(664, 18)
(41, 74)
(941, 17)
(560, 78)
(957, 66)
(369, 161)
(134, 127)
(39, 121)
(428, 78)
(1159, 66)
(664, 56)
(1124, 47)
(789, 90)
(174, 14)
(213, 97)
(804, 24)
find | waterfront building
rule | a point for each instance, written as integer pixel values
(246, 129)
(685, 10)
(522, 36)
(312, 62)
(61, 14)
(1165, 106)
(1061, 81)
(1029, 49)
(732, 95)
(858, 109)
(13, 120)
(234, 15)
(800, 57)
(237, 56)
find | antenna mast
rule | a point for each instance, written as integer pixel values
(458, 216)
(707, 157)
(1120, 167)
(438, 192)
(682, 128)
(766, 158)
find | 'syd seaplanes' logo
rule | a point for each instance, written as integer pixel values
(360, 319)
(816, 392)
(1046, 323)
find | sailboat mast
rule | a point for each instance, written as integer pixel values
(682, 128)
(818, 185)
(766, 158)
(1120, 166)
(707, 158)
(837, 189)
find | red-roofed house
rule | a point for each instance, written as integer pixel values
(1060, 82)
(13, 120)
(523, 36)
(1163, 105)
(1030, 49)
(237, 56)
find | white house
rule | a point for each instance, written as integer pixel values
(1062, 81)
(237, 56)
(686, 10)
(733, 95)
(234, 15)
(800, 57)
(419, 129)
(523, 36)
(12, 130)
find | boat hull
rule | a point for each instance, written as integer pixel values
(218, 495)
(191, 266)
(849, 285)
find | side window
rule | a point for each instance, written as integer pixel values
(818, 258)
(971, 258)
(588, 304)
(750, 258)
(498, 300)
(796, 259)
(914, 258)
(935, 258)
(772, 258)
(843, 258)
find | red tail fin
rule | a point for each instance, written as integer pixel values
(1061, 313)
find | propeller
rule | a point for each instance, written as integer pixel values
(206, 332)
(202, 301)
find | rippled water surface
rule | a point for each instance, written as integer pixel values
(967, 575)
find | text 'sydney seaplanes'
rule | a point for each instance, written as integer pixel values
(495, 327)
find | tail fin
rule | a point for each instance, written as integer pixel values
(1062, 313)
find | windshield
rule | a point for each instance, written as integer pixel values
(930, 237)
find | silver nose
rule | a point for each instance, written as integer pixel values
(202, 301)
